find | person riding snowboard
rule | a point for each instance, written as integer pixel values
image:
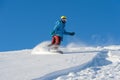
(58, 32)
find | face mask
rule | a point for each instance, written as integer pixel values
(64, 20)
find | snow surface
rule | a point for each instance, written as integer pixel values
(77, 63)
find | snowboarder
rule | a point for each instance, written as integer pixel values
(58, 32)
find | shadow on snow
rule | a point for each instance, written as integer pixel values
(97, 61)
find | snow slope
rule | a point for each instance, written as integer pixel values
(77, 63)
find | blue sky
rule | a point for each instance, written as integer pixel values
(26, 23)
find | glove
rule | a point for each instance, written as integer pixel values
(72, 33)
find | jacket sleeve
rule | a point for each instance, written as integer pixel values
(66, 33)
(55, 28)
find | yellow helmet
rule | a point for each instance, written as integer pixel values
(63, 17)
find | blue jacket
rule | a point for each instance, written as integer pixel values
(59, 29)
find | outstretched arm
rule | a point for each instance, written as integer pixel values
(69, 33)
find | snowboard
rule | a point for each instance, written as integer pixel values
(51, 49)
(56, 51)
